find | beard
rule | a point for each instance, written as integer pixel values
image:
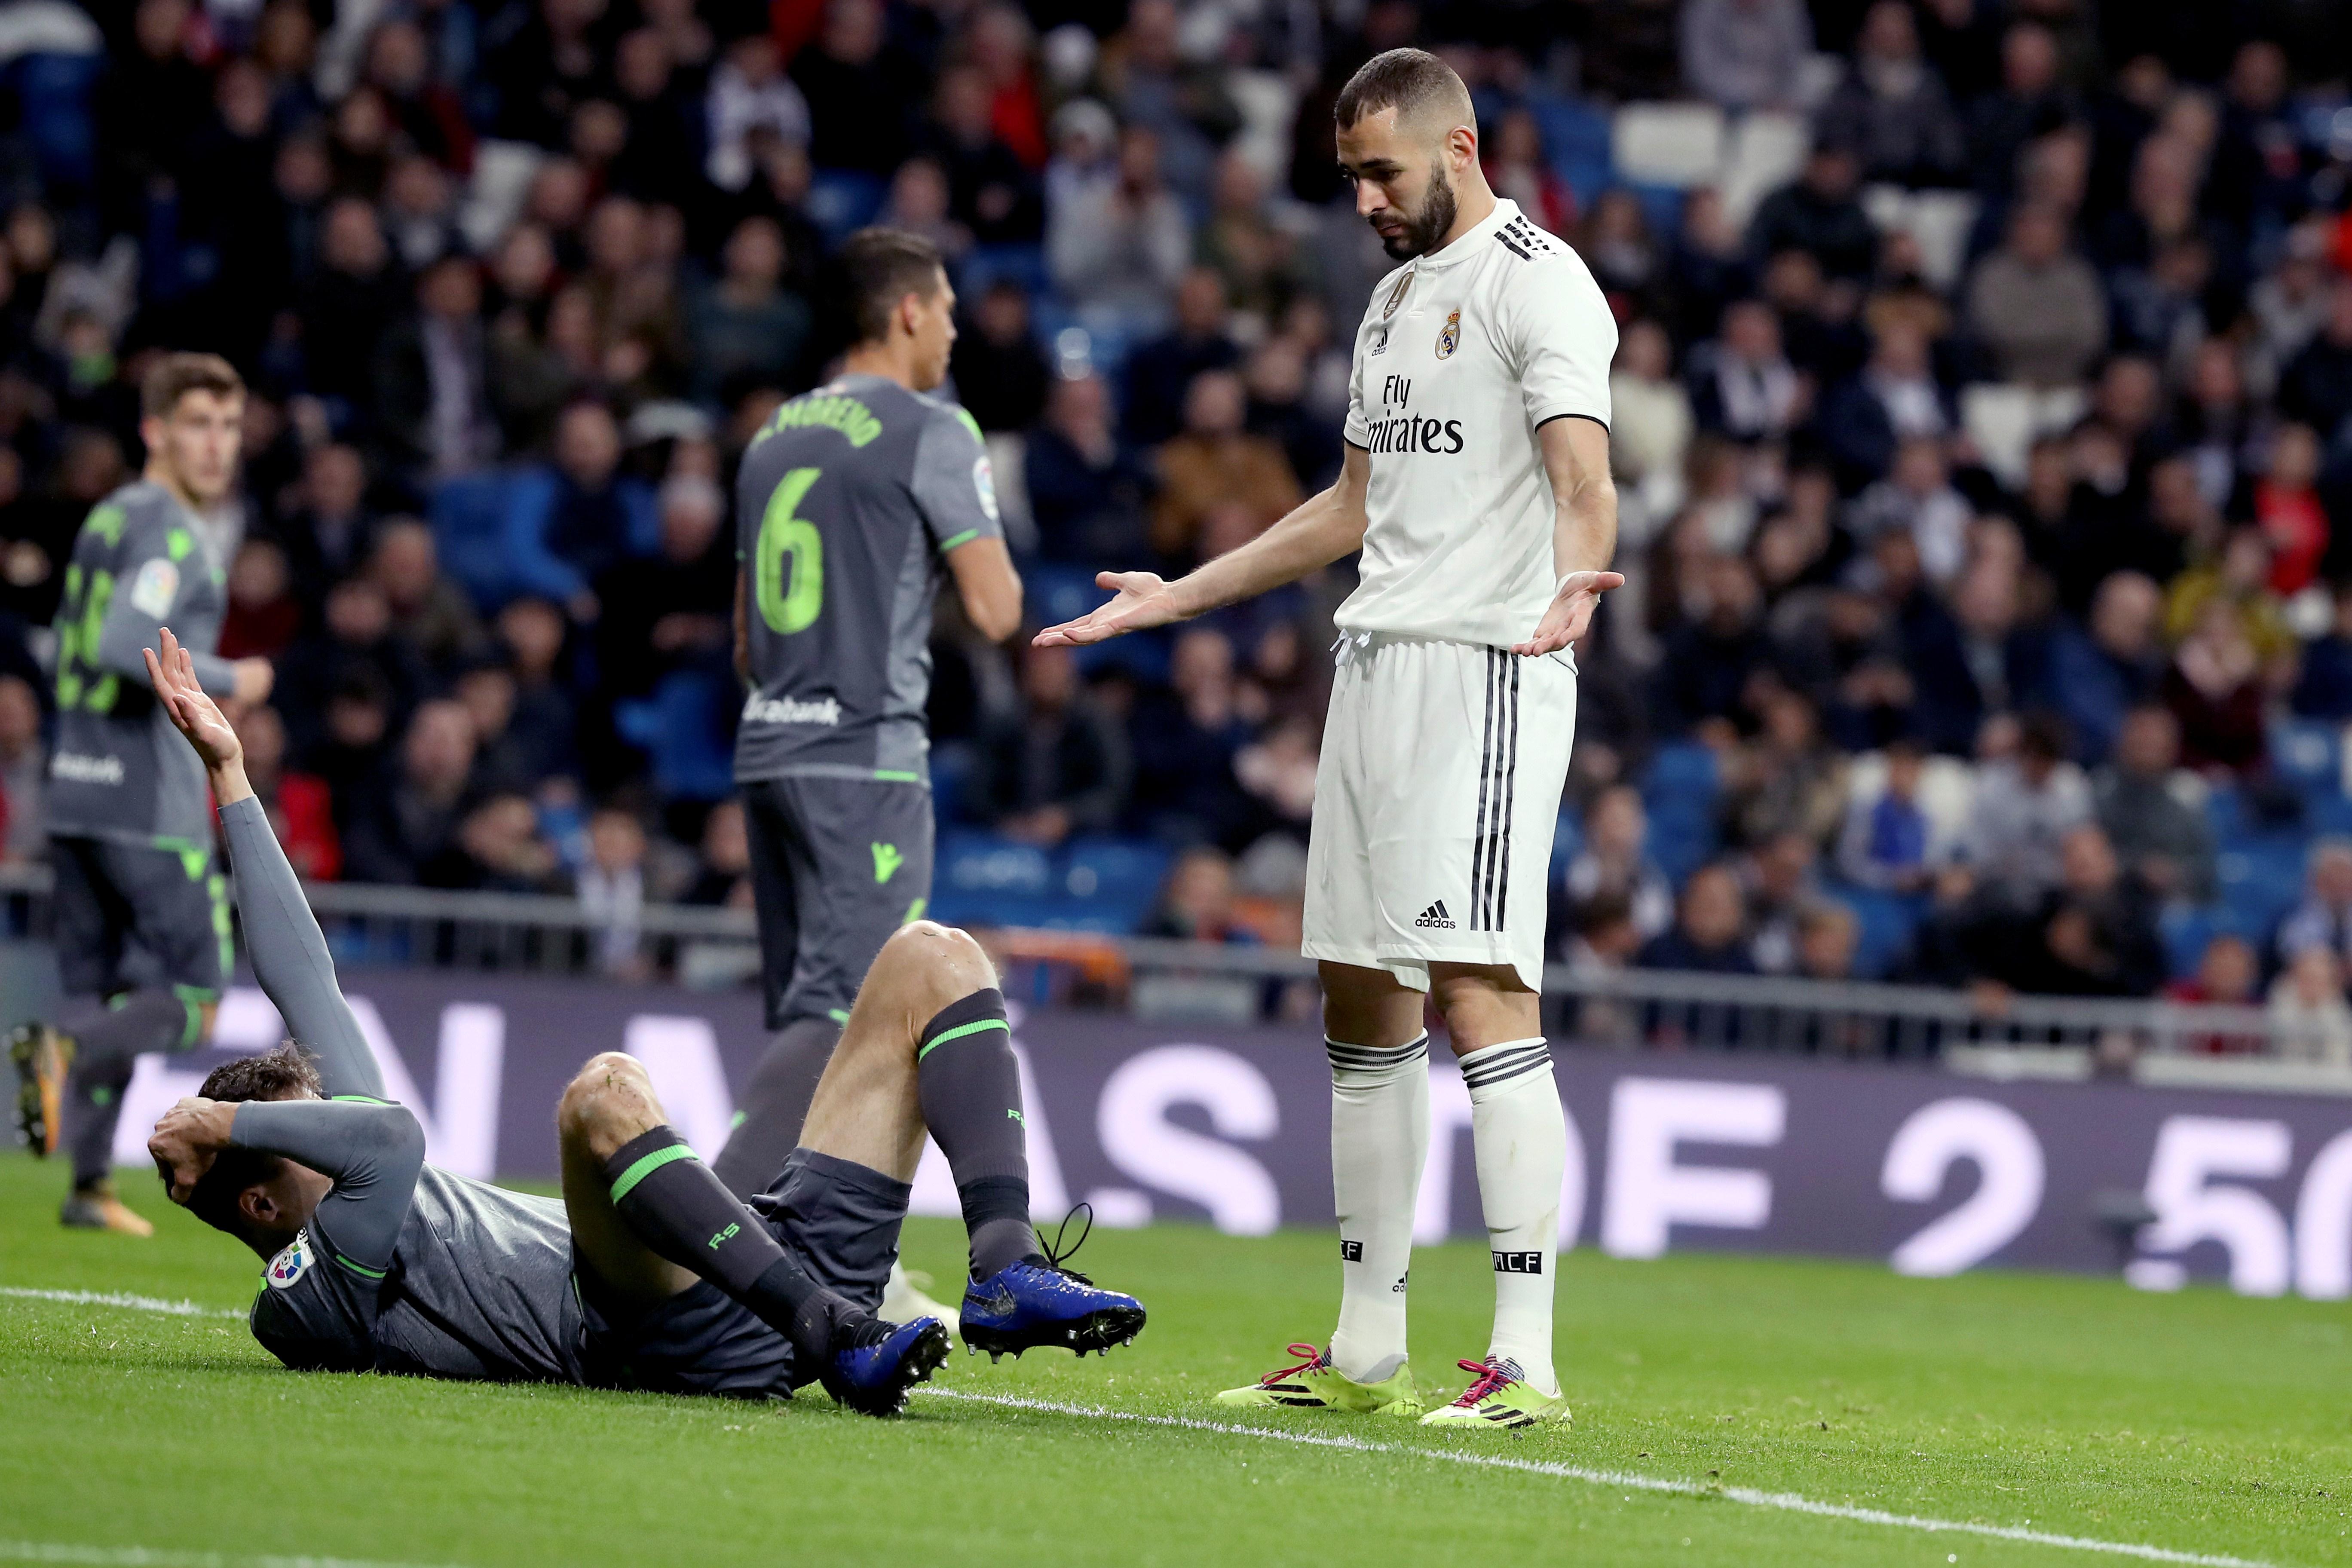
(1426, 229)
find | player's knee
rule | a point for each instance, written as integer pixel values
(927, 956)
(610, 1101)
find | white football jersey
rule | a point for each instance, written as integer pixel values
(1461, 354)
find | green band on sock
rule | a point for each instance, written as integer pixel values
(959, 1032)
(647, 1165)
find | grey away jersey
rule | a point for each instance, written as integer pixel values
(846, 502)
(480, 1287)
(119, 770)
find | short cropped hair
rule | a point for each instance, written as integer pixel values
(285, 1073)
(1411, 81)
(175, 375)
(883, 266)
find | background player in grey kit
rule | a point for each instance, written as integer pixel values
(141, 918)
(853, 502)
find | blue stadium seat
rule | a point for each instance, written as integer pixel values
(1057, 591)
(1023, 265)
(468, 514)
(1884, 925)
(2260, 880)
(1662, 207)
(2189, 929)
(1576, 141)
(683, 728)
(843, 200)
(975, 862)
(2309, 754)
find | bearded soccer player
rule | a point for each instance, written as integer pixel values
(649, 1273)
(855, 504)
(140, 912)
(1476, 483)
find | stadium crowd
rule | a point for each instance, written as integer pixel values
(1980, 425)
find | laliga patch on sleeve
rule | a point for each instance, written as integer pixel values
(983, 481)
(288, 1267)
(157, 585)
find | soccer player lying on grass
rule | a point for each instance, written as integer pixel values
(650, 1274)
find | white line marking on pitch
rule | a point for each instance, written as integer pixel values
(1788, 1502)
(149, 1557)
(121, 1299)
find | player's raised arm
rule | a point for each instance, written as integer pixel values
(289, 954)
(1320, 530)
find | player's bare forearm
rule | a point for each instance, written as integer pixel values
(1584, 531)
(1316, 532)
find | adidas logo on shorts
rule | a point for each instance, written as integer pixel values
(1436, 916)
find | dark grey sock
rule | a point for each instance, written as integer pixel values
(776, 1105)
(674, 1205)
(108, 1043)
(968, 1083)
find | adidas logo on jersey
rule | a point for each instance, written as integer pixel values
(1435, 917)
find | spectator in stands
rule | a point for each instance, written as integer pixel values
(1779, 878)
(863, 91)
(2035, 306)
(1277, 378)
(2316, 387)
(2215, 689)
(2094, 934)
(501, 763)
(2324, 917)
(1917, 497)
(2324, 688)
(2025, 806)
(1745, 54)
(2031, 100)
(2227, 974)
(1055, 765)
(2309, 1020)
(1258, 257)
(1650, 422)
(1276, 771)
(1215, 463)
(345, 310)
(408, 832)
(1708, 660)
(23, 767)
(675, 611)
(990, 190)
(1614, 864)
(1742, 386)
(1888, 840)
(1603, 941)
(430, 611)
(612, 888)
(1828, 937)
(1196, 901)
(2098, 673)
(747, 329)
(1892, 107)
(504, 851)
(1708, 934)
(1185, 743)
(1161, 374)
(302, 810)
(331, 532)
(1086, 487)
(722, 878)
(998, 374)
(2151, 814)
(1820, 214)
(2288, 510)
(581, 519)
(356, 633)
(1789, 781)
(263, 614)
(545, 717)
(1896, 398)
(1120, 246)
(433, 379)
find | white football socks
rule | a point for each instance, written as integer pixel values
(1519, 1139)
(1380, 1137)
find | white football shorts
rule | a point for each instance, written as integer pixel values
(1435, 802)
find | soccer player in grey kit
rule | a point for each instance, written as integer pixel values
(648, 1273)
(140, 914)
(853, 504)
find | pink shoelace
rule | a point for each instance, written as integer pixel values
(1314, 1359)
(1488, 1380)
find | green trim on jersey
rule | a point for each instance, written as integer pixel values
(966, 537)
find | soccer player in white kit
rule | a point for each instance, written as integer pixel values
(1476, 485)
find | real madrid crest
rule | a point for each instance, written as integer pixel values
(1449, 337)
(1396, 296)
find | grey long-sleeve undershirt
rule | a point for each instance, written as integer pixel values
(372, 1149)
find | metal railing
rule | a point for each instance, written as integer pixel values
(2001, 1035)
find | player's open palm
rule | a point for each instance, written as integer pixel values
(1569, 614)
(194, 714)
(1139, 600)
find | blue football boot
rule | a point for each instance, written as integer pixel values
(1045, 1303)
(873, 1379)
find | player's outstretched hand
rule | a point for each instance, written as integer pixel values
(1139, 600)
(194, 714)
(1569, 614)
(185, 1141)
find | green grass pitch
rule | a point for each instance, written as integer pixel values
(2198, 1423)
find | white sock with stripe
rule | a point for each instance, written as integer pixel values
(1518, 1137)
(1380, 1137)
